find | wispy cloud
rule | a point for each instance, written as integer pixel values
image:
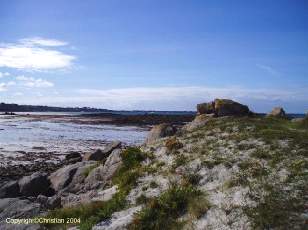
(268, 69)
(35, 54)
(5, 85)
(170, 98)
(42, 42)
(5, 74)
(34, 83)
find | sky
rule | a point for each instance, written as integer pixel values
(154, 55)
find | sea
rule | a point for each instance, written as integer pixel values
(21, 135)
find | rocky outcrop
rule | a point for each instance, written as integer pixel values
(63, 177)
(35, 184)
(100, 155)
(100, 175)
(206, 108)
(9, 190)
(223, 107)
(73, 157)
(277, 112)
(199, 121)
(160, 131)
(19, 208)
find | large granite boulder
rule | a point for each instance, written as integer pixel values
(99, 154)
(9, 189)
(80, 175)
(63, 177)
(15, 208)
(160, 131)
(206, 108)
(100, 175)
(277, 112)
(35, 184)
(223, 107)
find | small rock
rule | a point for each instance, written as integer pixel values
(54, 202)
(19, 208)
(277, 112)
(9, 190)
(35, 184)
(99, 155)
(42, 199)
(199, 121)
(73, 157)
(160, 131)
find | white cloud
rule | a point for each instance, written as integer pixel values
(4, 85)
(42, 42)
(173, 98)
(34, 83)
(5, 74)
(32, 54)
(268, 69)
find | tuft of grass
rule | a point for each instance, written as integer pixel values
(153, 184)
(173, 144)
(198, 207)
(132, 157)
(162, 212)
(142, 199)
(89, 214)
(261, 154)
(191, 178)
(180, 160)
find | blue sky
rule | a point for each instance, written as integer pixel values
(161, 55)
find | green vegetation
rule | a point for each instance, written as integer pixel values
(180, 160)
(265, 156)
(89, 214)
(173, 144)
(153, 184)
(277, 209)
(162, 212)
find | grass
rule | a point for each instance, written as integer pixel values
(191, 178)
(162, 212)
(89, 214)
(153, 184)
(277, 210)
(92, 213)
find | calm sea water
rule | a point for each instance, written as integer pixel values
(23, 134)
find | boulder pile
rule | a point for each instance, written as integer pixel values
(80, 181)
(223, 107)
